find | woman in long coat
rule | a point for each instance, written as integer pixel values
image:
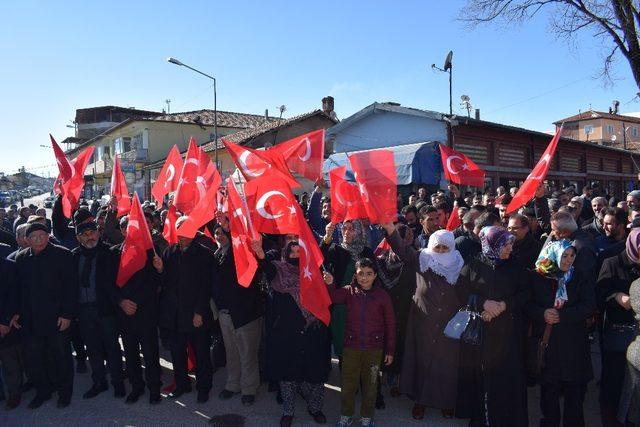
(299, 352)
(563, 299)
(492, 387)
(430, 364)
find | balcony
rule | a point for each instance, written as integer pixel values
(138, 155)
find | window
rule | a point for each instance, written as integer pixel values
(588, 130)
(634, 131)
(610, 128)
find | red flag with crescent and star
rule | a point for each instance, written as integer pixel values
(197, 175)
(460, 169)
(375, 173)
(168, 177)
(204, 211)
(136, 244)
(70, 180)
(273, 206)
(346, 202)
(169, 230)
(239, 225)
(537, 175)
(454, 219)
(304, 154)
(65, 168)
(119, 189)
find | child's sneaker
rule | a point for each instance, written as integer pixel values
(367, 422)
(344, 421)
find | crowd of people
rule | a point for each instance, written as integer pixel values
(548, 282)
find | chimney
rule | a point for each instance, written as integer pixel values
(266, 113)
(477, 114)
(327, 105)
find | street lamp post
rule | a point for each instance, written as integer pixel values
(215, 104)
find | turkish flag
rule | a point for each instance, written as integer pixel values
(274, 208)
(65, 168)
(240, 227)
(454, 220)
(204, 211)
(346, 202)
(168, 178)
(119, 189)
(254, 164)
(460, 169)
(313, 291)
(136, 244)
(382, 247)
(72, 188)
(169, 230)
(304, 154)
(196, 176)
(375, 173)
(537, 175)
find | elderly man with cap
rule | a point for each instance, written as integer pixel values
(23, 216)
(138, 315)
(97, 300)
(48, 285)
(185, 311)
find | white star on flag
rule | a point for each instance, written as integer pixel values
(307, 272)
(236, 241)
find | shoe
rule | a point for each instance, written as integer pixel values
(418, 411)
(395, 392)
(248, 399)
(95, 390)
(279, 398)
(318, 417)
(447, 413)
(155, 398)
(12, 402)
(226, 394)
(119, 391)
(81, 367)
(366, 422)
(203, 396)
(134, 396)
(37, 401)
(179, 392)
(380, 402)
(63, 402)
(286, 420)
(344, 421)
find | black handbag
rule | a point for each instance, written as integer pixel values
(472, 334)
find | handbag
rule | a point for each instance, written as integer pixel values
(458, 323)
(472, 334)
(536, 352)
(464, 324)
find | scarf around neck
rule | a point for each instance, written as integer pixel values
(548, 265)
(493, 239)
(358, 243)
(448, 264)
(287, 281)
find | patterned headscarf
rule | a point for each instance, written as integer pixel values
(494, 238)
(633, 246)
(548, 265)
(448, 264)
(358, 243)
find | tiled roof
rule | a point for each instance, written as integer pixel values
(225, 118)
(591, 115)
(246, 135)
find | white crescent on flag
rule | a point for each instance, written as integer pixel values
(303, 246)
(451, 170)
(546, 159)
(242, 159)
(170, 173)
(263, 200)
(339, 194)
(307, 153)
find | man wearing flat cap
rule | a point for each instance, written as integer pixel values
(97, 299)
(48, 286)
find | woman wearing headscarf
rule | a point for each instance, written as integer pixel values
(618, 325)
(629, 410)
(430, 364)
(340, 260)
(491, 386)
(562, 301)
(299, 351)
(399, 280)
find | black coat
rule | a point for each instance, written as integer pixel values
(568, 356)
(186, 287)
(526, 251)
(106, 271)
(616, 275)
(468, 247)
(9, 295)
(337, 258)
(244, 304)
(142, 288)
(495, 369)
(48, 284)
(296, 351)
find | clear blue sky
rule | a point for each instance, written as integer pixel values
(59, 56)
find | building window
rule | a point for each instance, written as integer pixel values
(610, 128)
(588, 130)
(634, 131)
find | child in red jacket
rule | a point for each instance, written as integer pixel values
(370, 331)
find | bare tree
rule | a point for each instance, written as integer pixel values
(615, 22)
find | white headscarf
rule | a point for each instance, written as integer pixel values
(448, 264)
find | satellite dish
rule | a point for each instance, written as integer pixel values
(464, 98)
(447, 62)
(613, 138)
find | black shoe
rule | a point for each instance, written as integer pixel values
(248, 399)
(286, 421)
(203, 396)
(155, 398)
(81, 367)
(119, 391)
(95, 390)
(134, 396)
(37, 401)
(226, 394)
(63, 402)
(179, 392)
(279, 398)
(318, 417)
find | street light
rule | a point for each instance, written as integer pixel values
(215, 103)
